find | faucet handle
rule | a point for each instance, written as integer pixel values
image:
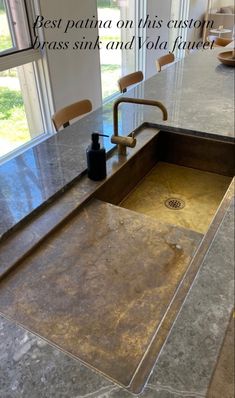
(123, 143)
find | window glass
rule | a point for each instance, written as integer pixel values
(115, 62)
(14, 31)
(5, 33)
(20, 113)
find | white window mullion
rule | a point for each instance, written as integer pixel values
(44, 95)
(141, 12)
(184, 14)
(20, 58)
(43, 76)
(9, 18)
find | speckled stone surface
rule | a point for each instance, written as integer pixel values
(30, 368)
(222, 382)
(195, 103)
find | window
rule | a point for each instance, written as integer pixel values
(23, 116)
(117, 62)
(179, 11)
(15, 34)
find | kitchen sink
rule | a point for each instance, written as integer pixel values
(178, 195)
(178, 179)
(105, 285)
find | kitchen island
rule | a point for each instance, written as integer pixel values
(30, 367)
(197, 92)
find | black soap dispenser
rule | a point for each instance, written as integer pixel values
(96, 158)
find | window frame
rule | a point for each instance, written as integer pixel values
(14, 49)
(11, 29)
(11, 59)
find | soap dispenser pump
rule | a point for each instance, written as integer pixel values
(96, 158)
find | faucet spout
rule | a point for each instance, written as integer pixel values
(124, 142)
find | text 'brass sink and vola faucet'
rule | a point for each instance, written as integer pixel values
(107, 284)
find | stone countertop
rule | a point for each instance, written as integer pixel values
(198, 93)
(31, 368)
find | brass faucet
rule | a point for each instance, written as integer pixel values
(124, 142)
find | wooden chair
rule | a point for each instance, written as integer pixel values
(64, 115)
(219, 41)
(129, 80)
(164, 60)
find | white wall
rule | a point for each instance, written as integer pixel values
(197, 11)
(163, 10)
(74, 75)
(221, 3)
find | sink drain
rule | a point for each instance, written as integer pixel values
(175, 204)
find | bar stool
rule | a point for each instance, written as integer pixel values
(129, 80)
(63, 116)
(164, 60)
(219, 41)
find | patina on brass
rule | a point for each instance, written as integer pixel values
(195, 194)
(99, 287)
(124, 142)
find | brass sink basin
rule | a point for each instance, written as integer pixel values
(179, 195)
(177, 179)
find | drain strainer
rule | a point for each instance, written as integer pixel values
(174, 204)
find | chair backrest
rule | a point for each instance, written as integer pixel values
(219, 41)
(63, 116)
(212, 38)
(222, 41)
(164, 60)
(129, 80)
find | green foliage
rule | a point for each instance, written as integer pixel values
(1, 6)
(5, 39)
(110, 67)
(13, 127)
(110, 74)
(5, 43)
(9, 73)
(10, 101)
(107, 4)
(14, 131)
